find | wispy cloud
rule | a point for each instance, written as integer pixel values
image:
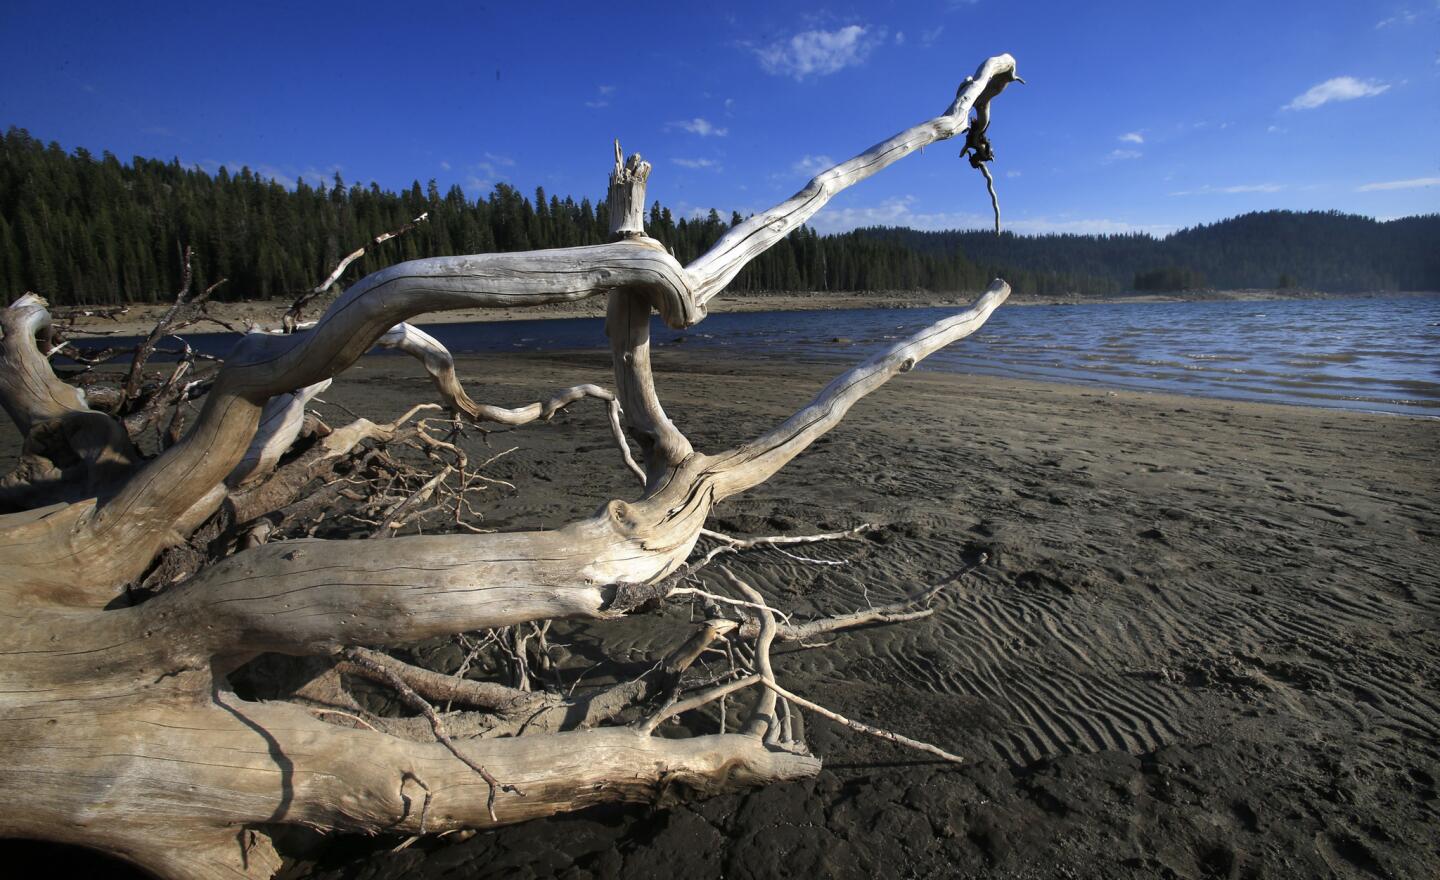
(819, 53)
(602, 99)
(698, 125)
(482, 176)
(930, 35)
(1404, 16)
(812, 164)
(444, 166)
(1012, 173)
(1412, 183)
(1132, 137)
(1341, 88)
(698, 164)
(1232, 190)
(285, 175)
(1118, 155)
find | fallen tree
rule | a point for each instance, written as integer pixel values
(135, 588)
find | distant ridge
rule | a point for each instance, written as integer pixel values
(1317, 250)
(79, 228)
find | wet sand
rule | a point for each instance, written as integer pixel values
(1204, 644)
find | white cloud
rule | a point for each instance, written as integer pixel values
(1275, 129)
(819, 53)
(705, 164)
(1404, 16)
(1122, 155)
(1133, 137)
(698, 125)
(812, 165)
(1341, 88)
(444, 166)
(1412, 183)
(899, 38)
(929, 36)
(1207, 189)
(603, 100)
(483, 175)
(1012, 173)
(285, 175)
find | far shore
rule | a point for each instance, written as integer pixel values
(139, 319)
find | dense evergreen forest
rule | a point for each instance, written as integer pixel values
(1315, 250)
(78, 228)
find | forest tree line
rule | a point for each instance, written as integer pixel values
(78, 228)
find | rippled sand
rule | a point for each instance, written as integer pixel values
(1205, 643)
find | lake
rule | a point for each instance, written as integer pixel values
(1379, 354)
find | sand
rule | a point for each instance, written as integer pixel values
(1204, 643)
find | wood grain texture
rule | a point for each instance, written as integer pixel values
(119, 722)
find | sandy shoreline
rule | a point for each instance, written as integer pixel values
(138, 319)
(1205, 641)
(1204, 644)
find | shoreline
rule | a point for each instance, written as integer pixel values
(1204, 633)
(139, 319)
(1182, 600)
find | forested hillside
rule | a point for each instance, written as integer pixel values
(1317, 250)
(78, 228)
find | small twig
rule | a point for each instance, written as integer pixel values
(861, 727)
(716, 597)
(419, 704)
(396, 517)
(731, 544)
(291, 319)
(695, 701)
(356, 718)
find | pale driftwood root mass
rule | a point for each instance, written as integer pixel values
(134, 587)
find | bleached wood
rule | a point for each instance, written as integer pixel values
(440, 364)
(280, 423)
(119, 728)
(53, 417)
(29, 389)
(363, 594)
(717, 266)
(626, 199)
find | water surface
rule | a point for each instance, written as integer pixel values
(1379, 354)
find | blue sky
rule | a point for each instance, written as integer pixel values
(1138, 116)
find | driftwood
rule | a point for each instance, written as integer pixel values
(117, 713)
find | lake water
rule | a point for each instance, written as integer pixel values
(1377, 354)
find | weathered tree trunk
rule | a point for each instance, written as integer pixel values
(118, 720)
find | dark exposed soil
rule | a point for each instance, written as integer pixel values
(1204, 643)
